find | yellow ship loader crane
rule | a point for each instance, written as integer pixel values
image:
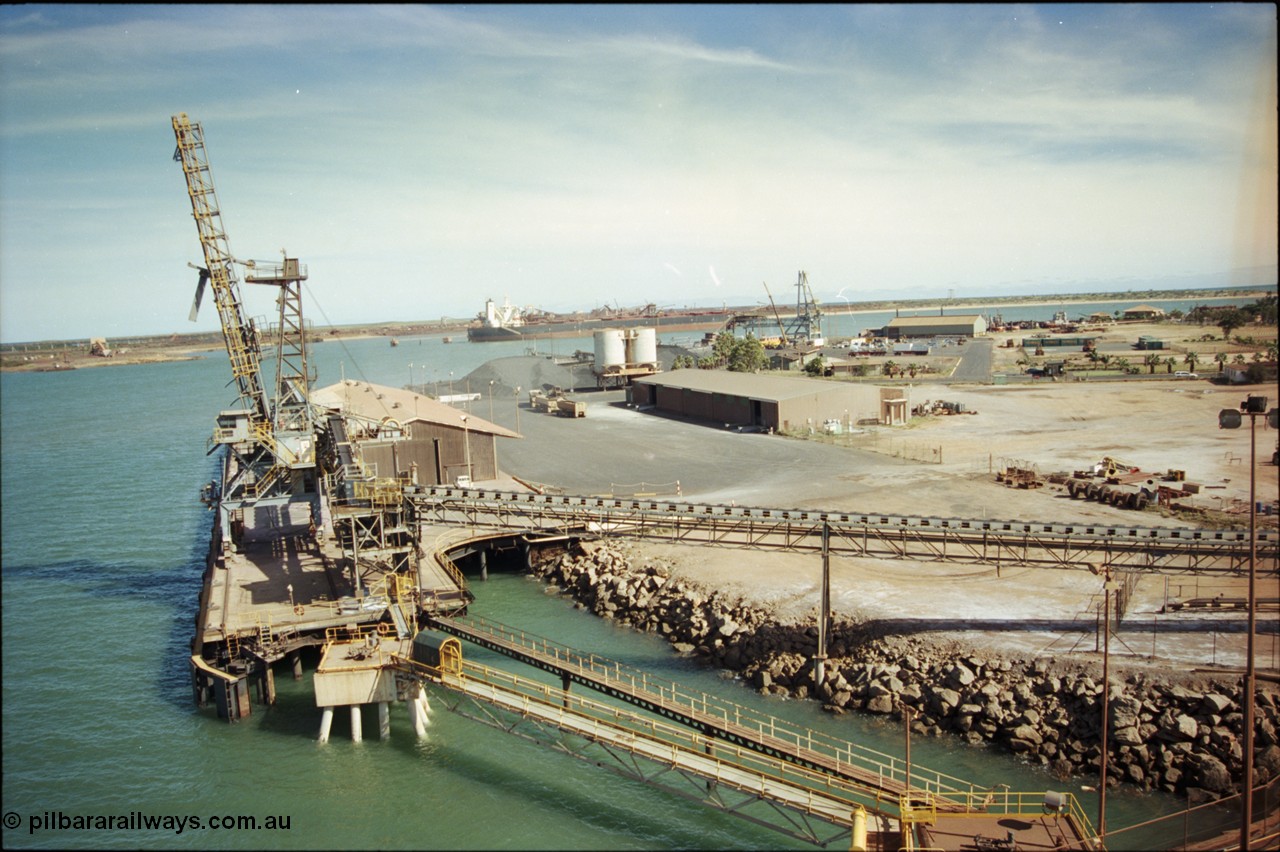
(782, 330)
(266, 450)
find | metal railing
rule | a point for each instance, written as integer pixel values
(841, 756)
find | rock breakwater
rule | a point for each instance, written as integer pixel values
(1177, 734)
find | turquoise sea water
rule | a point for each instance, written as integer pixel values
(103, 547)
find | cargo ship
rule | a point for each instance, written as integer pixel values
(509, 322)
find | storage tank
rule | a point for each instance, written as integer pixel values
(646, 347)
(611, 350)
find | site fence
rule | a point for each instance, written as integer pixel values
(644, 489)
(874, 442)
(1212, 825)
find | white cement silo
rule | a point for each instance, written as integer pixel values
(611, 349)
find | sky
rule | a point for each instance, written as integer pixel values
(420, 159)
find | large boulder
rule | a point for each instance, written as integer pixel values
(1209, 773)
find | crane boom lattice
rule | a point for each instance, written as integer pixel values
(241, 337)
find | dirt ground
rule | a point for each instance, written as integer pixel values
(1157, 425)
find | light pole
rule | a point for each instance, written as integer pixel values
(1230, 419)
(824, 611)
(491, 400)
(466, 442)
(517, 408)
(907, 713)
(410, 375)
(1107, 585)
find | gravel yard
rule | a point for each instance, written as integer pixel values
(1155, 424)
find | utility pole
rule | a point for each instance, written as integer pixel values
(824, 613)
(907, 713)
(1230, 419)
(1107, 585)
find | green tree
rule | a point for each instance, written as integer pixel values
(747, 356)
(815, 366)
(1122, 364)
(912, 369)
(1230, 320)
(889, 368)
(1170, 363)
(1239, 359)
(1150, 360)
(1191, 359)
(1264, 308)
(1221, 358)
(722, 347)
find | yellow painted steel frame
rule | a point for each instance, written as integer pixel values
(1023, 805)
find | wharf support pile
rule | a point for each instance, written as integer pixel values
(1182, 738)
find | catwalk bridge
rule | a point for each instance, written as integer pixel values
(988, 542)
(801, 782)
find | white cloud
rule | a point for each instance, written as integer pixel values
(427, 154)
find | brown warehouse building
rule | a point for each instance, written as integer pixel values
(775, 403)
(401, 432)
(950, 325)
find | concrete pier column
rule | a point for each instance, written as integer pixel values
(484, 565)
(384, 721)
(268, 685)
(326, 722)
(412, 706)
(356, 733)
(417, 711)
(295, 660)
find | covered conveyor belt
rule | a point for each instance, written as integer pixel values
(1056, 545)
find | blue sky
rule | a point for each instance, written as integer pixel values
(419, 159)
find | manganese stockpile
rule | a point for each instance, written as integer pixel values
(1184, 738)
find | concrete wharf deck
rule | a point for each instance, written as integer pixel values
(286, 586)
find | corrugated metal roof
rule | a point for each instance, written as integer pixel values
(375, 402)
(947, 319)
(750, 385)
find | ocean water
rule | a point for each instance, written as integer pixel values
(102, 551)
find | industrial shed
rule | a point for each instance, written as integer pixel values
(956, 325)
(401, 429)
(777, 403)
(1142, 312)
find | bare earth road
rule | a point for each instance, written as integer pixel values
(1156, 425)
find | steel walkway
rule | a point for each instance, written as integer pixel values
(879, 776)
(769, 786)
(989, 542)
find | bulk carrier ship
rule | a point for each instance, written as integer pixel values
(509, 322)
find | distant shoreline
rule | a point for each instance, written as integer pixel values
(65, 354)
(1032, 302)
